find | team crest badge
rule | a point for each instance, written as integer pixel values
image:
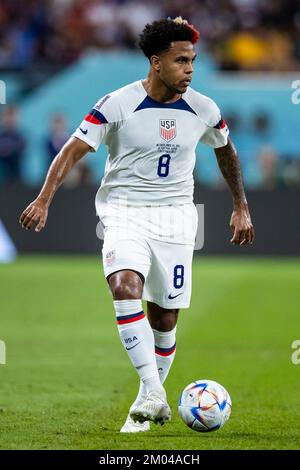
(167, 129)
(110, 258)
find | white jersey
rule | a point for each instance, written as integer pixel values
(151, 145)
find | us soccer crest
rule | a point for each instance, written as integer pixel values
(167, 129)
(110, 258)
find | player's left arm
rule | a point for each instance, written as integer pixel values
(240, 222)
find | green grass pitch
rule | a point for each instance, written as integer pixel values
(68, 383)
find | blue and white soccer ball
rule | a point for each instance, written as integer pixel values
(204, 405)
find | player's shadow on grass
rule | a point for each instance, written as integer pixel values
(208, 435)
(155, 432)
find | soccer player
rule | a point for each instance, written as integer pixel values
(145, 202)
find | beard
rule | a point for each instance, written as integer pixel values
(174, 88)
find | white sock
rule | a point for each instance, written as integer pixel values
(138, 340)
(165, 348)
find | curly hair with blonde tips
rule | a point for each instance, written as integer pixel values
(158, 36)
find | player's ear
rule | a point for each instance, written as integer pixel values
(155, 62)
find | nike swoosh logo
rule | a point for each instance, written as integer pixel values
(174, 296)
(128, 349)
(84, 132)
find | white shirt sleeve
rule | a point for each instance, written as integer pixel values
(95, 126)
(216, 133)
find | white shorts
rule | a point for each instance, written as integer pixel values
(166, 267)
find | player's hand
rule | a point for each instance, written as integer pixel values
(241, 226)
(35, 214)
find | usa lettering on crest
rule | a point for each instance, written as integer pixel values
(167, 129)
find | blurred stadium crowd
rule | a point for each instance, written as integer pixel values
(240, 34)
(262, 166)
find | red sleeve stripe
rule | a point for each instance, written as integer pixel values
(221, 124)
(95, 117)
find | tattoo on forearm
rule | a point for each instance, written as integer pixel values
(230, 167)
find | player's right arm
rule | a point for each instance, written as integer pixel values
(37, 212)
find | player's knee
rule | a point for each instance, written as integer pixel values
(122, 291)
(125, 286)
(164, 322)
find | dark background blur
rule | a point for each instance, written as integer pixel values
(58, 57)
